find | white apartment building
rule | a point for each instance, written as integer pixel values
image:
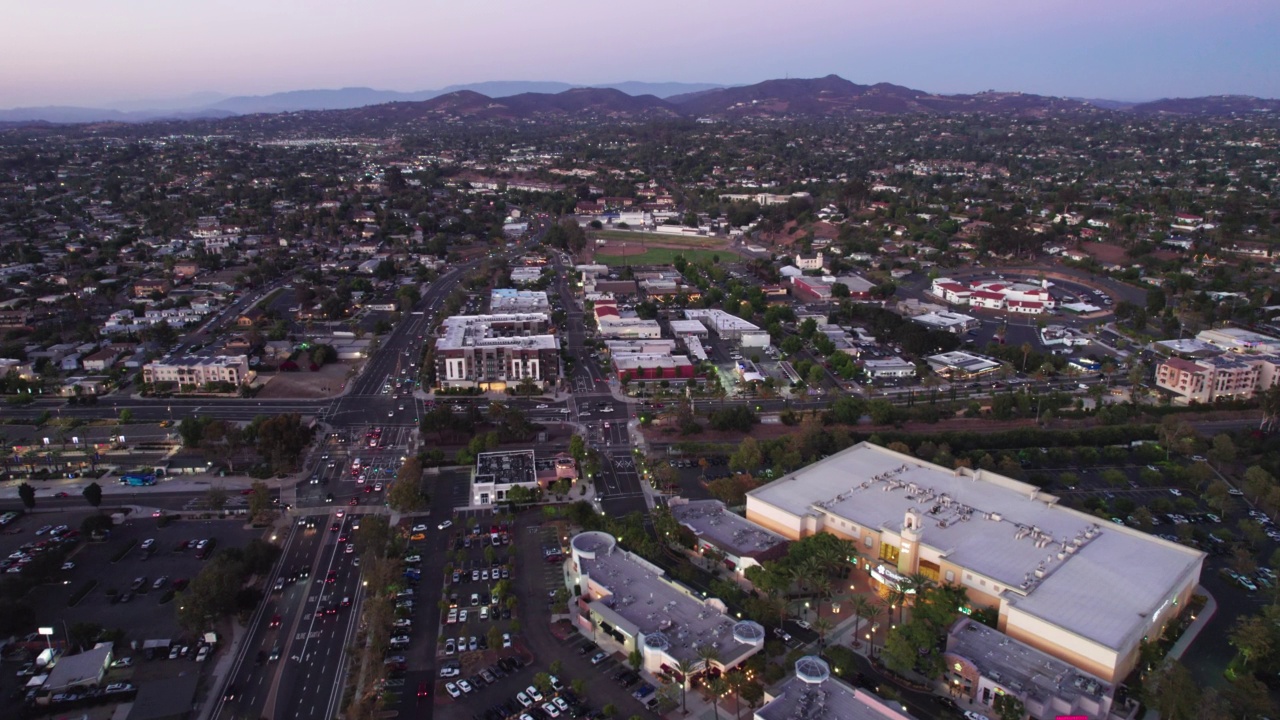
(197, 371)
(1218, 378)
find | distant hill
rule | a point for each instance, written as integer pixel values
(1214, 105)
(60, 114)
(799, 97)
(833, 95)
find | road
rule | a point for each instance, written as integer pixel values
(291, 663)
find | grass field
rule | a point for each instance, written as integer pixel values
(692, 241)
(664, 256)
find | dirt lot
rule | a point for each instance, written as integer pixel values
(304, 384)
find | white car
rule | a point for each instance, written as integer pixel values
(543, 406)
(445, 524)
(350, 548)
(1175, 492)
(68, 565)
(464, 686)
(452, 690)
(506, 640)
(148, 543)
(203, 654)
(419, 528)
(551, 710)
(533, 693)
(971, 715)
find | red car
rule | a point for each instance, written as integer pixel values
(354, 501)
(275, 621)
(422, 689)
(247, 491)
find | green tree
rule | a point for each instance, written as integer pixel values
(126, 415)
(259, 500)
(405, 494)
(748, 457)
(1172, 692)
(374, 536)
(92, 494)
(28, 495)
(577, 448)
(1008, 707)
(216, 498)
(635, 659)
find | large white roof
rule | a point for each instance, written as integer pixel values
(1036, 553)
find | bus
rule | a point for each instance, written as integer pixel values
(138, 479)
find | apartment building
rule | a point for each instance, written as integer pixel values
(1225, 377)
(197, 371)
(494, 351)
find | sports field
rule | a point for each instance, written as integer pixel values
(646, 238)
(663, 256)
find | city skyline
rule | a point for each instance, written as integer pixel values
(86, 54)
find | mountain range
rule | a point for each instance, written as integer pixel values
(213, 105)
(814, 97)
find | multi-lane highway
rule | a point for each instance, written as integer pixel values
(291, 665)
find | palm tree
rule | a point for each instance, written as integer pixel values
(1026, 350)
(708, 655)
(736, 681)
(822, 626)
(685, 667)
(717, 687)
(860, 606)
(895, 598)
(872, 614)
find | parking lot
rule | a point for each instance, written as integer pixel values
(145, 614)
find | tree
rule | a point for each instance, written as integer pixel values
(577, 448)
(1251, 638)
(717, 687)
(748, 457)
(1223, 450)
(1008, 707)
(126, 415)
(1249, 698)
(635, 659)
(405, 494)
(374, 535)
(259, 500)
(685, 668)
(28, 495)
(92, 494)
(216, 498)
(1172, 692)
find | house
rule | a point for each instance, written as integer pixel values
(251, 317)
(102, 360)
(809, 263)
(147, 288)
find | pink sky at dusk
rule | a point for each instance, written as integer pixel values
(87, 52)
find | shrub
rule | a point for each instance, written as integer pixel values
(78, 595)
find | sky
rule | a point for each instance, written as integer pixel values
(96, 53)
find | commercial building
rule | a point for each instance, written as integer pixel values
(888, 368)
(823, 287)
(197, 371)
(730, 327)
(812, 694)
(494, 351)
(1238, 340)
(525, 274)
(959, 364)
(625, 603)
(497, 473)
(510, 300)
(740, 543)
(951, 322)
(1062, 335)
(610, 323)
(983, 663)
(1009, 545)
(79, 671)
(1013, 297)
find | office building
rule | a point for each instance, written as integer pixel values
(492, 352)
